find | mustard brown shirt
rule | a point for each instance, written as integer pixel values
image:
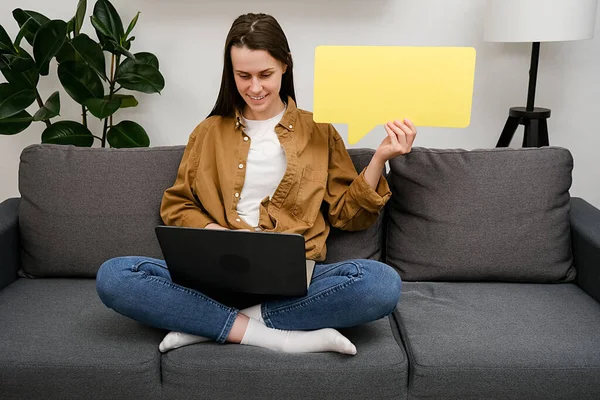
(319, 172)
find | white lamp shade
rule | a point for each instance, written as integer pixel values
(539, 20)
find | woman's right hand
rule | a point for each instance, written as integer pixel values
(212, 225)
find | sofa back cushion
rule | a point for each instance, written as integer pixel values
(494, 214)
(368, 243)
(82, 206)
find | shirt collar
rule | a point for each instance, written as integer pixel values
(288, 120)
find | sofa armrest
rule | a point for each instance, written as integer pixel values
(10, 245)
(585, 237)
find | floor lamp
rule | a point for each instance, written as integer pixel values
(535, 21)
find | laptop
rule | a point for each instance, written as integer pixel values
(236, 268)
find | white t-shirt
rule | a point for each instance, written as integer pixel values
(265, 167)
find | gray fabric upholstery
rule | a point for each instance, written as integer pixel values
(343, 245)
(58, 341)
(495, 214)
(585, 234)
(10, 257)
(500, 341)
(212, 371)
(82, 206)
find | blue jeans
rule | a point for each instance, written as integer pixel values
(340, 295)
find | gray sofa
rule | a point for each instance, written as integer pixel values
(501, 291)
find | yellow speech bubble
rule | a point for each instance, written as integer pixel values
(366, 86)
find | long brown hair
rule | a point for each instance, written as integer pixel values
(256, 32)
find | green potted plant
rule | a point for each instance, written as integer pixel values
(82, 72)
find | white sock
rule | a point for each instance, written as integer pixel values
(174, 339)
(254, 312)
(321, 340)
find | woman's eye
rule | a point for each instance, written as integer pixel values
(266, 75)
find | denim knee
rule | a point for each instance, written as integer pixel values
(385, 282)
(109, 277)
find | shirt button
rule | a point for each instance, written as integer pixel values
(238, 220)
(245, 138)
(241, 166)
(237, 195)
(291, 126)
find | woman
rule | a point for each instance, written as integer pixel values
(259, 163)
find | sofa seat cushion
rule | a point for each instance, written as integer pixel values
(58, 341)
(500, 341)
(378, 371)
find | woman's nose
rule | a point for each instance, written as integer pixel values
(255, 87)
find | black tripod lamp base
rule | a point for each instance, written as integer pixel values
(536, 127)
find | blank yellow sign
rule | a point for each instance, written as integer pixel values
(366, 86)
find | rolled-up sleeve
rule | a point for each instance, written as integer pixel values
(353, 204)
(180, 206)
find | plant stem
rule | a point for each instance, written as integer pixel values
(41, 104)
(84, 115)
(104, 132)
(112, 74)
(114, 59)
(39, 99)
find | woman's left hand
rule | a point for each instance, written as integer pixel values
(399, 141)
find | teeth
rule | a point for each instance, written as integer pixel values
(257, 98)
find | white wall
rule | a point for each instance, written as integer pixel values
(188, 38)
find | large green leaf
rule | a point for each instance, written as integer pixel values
(14, 99)
(15, 124)
(22, 16)
(14, 71)
(127, 100)
(20, 63)
(68, 132)
(146, 58)
(6, 45)
(47, 42)
(100, 28)
(127, 134)
(141, 77)
(104, 35)
(67, 53)
(106, 13)
(28, 79)
(80, 81)
(79, 16)
(50, 109)
(28, 26)
(102, 108)
(91, 53)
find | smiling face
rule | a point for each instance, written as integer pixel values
(258, 80)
